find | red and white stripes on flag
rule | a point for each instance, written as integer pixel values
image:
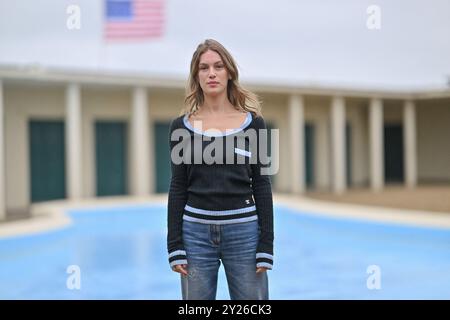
(133, 19)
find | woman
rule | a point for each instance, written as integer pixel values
(219, 212)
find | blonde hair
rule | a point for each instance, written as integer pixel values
(239, 97)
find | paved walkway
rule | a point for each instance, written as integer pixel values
(424, 198)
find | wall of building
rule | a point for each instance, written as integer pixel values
(41, 101)
(393, 111)
(98, 103)
(357, 117)
(275, 111)
(433, 140)
(165, 105)
(22, 103)
(317, 112)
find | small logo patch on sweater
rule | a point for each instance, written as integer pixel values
(243, 152)
(247, 201)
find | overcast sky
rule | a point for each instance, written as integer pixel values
(282, 41)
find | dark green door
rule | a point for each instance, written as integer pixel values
(309, 154)
(111, 157)
(47, 154)
(162, 155)
(393, 153)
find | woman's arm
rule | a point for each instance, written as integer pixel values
(262, 192)
(176, 202)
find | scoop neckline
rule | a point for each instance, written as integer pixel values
(246, 123)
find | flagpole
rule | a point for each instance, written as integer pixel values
(102, 51)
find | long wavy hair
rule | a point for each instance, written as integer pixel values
(239, 97)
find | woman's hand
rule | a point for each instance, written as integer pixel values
(180, 268)
(261, 269)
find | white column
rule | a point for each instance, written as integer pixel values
(297, 152)
(409, 142)
(338, 144)
(376, 144)
(74, 157)
(140, 145)
(2, 156)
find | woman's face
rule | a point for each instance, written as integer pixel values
(212, 73)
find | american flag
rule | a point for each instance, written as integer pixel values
(133, 19)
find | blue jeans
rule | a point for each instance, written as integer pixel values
(235, 245)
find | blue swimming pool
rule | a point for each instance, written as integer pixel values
(121, 254)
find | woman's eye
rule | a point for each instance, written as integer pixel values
(219, 67)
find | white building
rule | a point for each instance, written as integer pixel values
(71, 134)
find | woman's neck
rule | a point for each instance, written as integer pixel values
(216, 105)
